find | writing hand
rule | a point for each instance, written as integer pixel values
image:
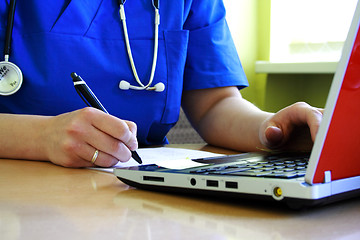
(74, 137)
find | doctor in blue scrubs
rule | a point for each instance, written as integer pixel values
(197, 67)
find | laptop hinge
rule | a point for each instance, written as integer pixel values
(327, 177)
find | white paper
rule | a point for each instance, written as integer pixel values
(174, 158)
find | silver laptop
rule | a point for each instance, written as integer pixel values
(331, 172)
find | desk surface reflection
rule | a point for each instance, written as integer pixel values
(39, 200)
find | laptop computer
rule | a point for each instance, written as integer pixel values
(329, 173)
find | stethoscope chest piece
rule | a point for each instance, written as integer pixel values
(11, 78)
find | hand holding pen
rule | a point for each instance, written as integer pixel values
(91, 100)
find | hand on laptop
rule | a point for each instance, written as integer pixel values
(223, 118)
(292, 128)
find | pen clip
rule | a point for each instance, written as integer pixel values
(86, 94)
(77, 80)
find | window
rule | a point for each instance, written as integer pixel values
(309, 30)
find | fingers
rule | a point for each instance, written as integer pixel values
(124, 131)
(77, 135)
(95, 157)
(117, 148)
(315, 116)
(303, 114)
(133, 143)
(279, 129)
(274, 136)
(113, 137)
(75, 153)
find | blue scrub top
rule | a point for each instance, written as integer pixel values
(51, 40)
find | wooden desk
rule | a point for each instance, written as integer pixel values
(39, 200)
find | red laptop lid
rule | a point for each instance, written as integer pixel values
(340, 153)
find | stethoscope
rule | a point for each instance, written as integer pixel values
(124, 85)
(11, 76)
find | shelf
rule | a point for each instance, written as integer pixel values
(296, 67)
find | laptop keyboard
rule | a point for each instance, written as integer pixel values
(272, 166)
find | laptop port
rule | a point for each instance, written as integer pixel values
(231, 185)
(277, 192)
(212, 183)
(153, 179)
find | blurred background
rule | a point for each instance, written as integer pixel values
(289, 50)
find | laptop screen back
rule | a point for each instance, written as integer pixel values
(340, 152)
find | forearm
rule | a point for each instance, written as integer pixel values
(22, 137)
(233, 123)
(68, 139)
(223, 118)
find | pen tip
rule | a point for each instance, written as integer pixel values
(136, 156)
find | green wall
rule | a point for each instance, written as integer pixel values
(274, 91)
(285, 89)
(253, 43)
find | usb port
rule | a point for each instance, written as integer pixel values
(231, 184)
(212, 183)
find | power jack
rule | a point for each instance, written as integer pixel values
(277, 193)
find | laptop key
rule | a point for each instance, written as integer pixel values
(267, 168)
(263, 174)
(245, 173)
(237, 166)
(213, 169)
(256, 166)
(301, 173)
(230, 170)
(255, 170)
(279, 167)
(279, 175)
(289, 175)
(198, 171)
(289, 169)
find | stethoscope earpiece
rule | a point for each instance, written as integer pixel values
(124, 85)
(159, 87)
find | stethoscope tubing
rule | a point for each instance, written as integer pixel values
(9, 28)
(128, 47)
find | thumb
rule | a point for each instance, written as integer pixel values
(273, 137)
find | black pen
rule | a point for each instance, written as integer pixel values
(91, 100)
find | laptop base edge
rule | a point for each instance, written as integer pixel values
(291, 203)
